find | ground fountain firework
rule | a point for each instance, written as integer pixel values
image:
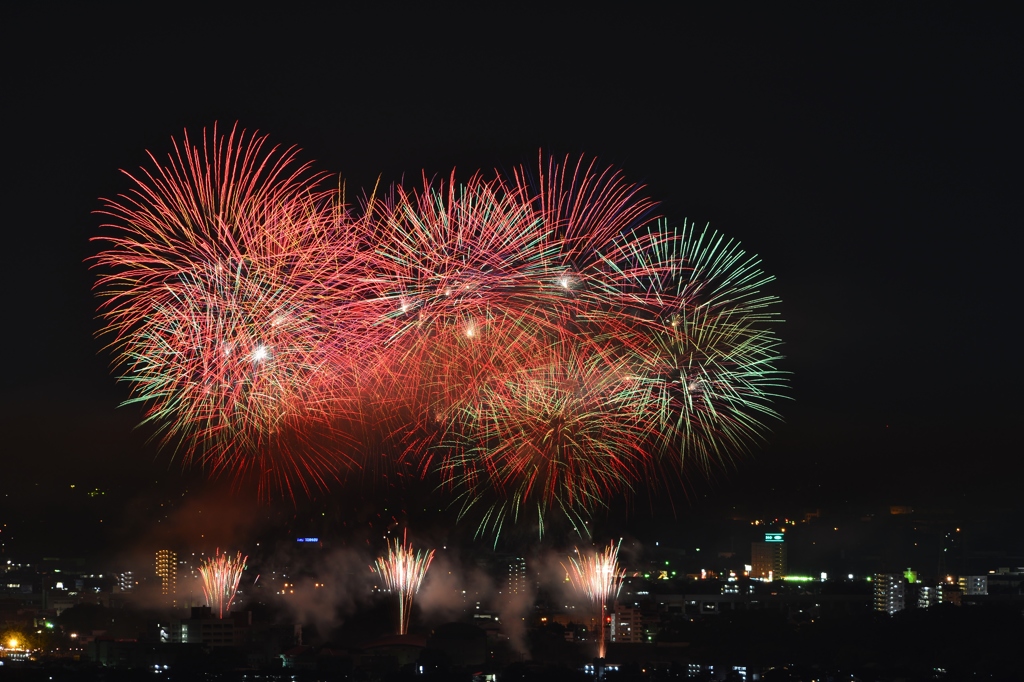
(221, 574)
(598, 577)
(402, 571)
(539, 340)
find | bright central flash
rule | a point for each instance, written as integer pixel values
(564, 282)
(260, 353)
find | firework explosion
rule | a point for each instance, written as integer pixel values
(599, 578)
(402, 571)
(219, 297)
(538, 339)
(221, 574)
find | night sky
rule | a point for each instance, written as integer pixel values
(871, 157)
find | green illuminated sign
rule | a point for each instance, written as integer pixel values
(773, 537)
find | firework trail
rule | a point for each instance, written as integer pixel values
(599, 578)
(221, 575)
(402, 571)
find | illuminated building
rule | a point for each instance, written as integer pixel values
(627, 625)
(950, 594)
(927, 596)
(203, 627)
(167, 571)
(768, 558)
(516, 577)
(125, 581)
(890, 592)
(973, 585)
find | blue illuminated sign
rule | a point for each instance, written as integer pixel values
(307, 539)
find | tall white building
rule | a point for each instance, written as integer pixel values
(517, 582)
(768, 558)
(890, 592)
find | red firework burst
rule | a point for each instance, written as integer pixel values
(535, 339)
(219, 285)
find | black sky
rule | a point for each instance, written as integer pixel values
(871, 157)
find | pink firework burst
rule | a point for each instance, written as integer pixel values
(536, 339)
(219, 289)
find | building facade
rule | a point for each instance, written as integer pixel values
(890, 592)
(973, 585)
(768, 558)
(517, 582)
(167, 571)
(627, 625)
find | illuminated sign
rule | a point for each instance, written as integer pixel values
(773, 537)
(307, 539)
